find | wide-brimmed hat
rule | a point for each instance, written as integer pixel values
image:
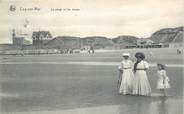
(140, 55)
(126, 54)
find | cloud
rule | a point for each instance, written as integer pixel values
(98, 17)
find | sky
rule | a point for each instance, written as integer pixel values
(109, 18)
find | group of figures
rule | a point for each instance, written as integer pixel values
(91, 50)
(133, 78)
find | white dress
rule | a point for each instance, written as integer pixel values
(163, 80)
(141, 83)
(127, 79)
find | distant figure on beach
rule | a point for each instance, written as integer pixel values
(163, 80)
(126, 76)
(179, 51)
(151, 54)
(91, 50)
(141, 84)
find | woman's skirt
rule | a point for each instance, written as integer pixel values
(126, 85)
(141, 84)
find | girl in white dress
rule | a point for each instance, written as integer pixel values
(127, 76)
(163, 80)
(141, 83)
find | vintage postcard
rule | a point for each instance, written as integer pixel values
(91, 56)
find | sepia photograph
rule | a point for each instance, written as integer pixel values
(91, 56)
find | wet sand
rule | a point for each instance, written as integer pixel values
(75, 88)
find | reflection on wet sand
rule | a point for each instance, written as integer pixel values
(163, 106)
(140, 105)
(152, 105)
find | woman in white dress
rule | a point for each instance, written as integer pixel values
(127, 76)
(141, 83)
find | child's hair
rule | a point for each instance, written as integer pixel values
(162, 66)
